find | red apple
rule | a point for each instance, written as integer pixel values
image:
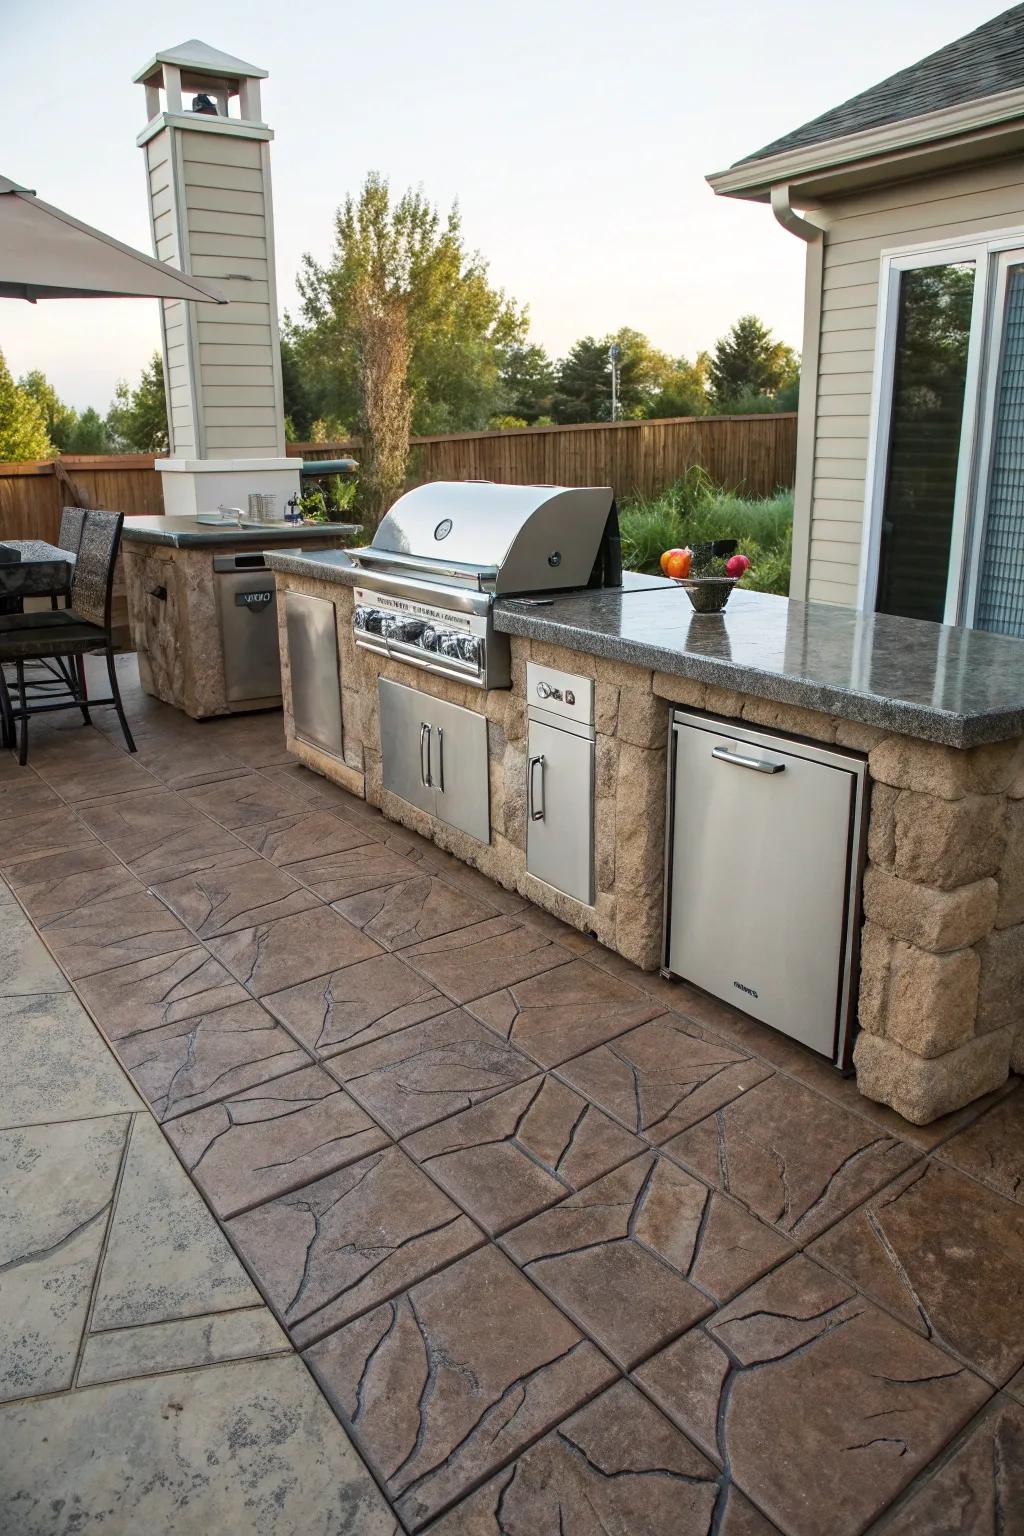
(737, 566)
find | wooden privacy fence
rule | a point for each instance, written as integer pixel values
(752, 454)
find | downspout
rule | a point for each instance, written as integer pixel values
(806, 430)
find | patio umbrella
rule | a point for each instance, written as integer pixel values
(46, 254)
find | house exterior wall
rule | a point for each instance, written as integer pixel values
(957, 204)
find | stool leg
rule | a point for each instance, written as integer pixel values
(115, 691)
(23, 707)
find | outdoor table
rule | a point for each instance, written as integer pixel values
(42, 570)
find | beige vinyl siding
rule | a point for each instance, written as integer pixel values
(957, 206)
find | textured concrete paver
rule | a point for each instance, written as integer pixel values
(54, 1065)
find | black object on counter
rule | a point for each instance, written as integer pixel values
(9, 556)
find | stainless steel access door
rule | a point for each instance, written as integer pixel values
(560, 807)
(434, 755)
(312, 627)
(763, 884)
(247, 607)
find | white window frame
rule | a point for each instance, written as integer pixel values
(985, 250)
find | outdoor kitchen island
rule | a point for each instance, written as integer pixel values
(936, 714)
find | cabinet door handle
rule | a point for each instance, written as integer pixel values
(425, 778)
(531, 798)
(440, 759)
(723, 755)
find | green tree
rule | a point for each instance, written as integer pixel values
(89, 434)
(137, 419)
(527, 382)
(61, 419)
(749, 362)
(23, 432)
(584, 385)
(407, 258)
(683, 390)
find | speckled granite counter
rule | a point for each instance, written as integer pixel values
(188, 533)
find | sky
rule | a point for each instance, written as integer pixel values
(575, 134)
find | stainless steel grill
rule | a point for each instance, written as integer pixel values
(446, 550)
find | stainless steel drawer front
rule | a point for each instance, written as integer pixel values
(560, 803)
(313, 661)
(764, 876)
(247, 609)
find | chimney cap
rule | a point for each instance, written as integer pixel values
(195, 57)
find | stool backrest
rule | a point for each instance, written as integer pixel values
(72, 522)
(92, 584)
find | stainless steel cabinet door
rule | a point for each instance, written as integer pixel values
(560, 810)
(248, 626)
(404, 743)
(457, 746)
(313, 662)
(759, 880)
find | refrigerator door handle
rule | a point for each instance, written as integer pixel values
(440, 759)
(425, 778)
(535, 763)
(759, 765)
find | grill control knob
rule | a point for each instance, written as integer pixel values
(544, 690)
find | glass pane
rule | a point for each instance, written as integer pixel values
(932, 337)
(1001, 584)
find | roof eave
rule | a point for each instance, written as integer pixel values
(806, 166)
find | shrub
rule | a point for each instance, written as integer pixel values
(694, 511)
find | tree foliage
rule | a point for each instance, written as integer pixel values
(137, 419)
(748, 362)
(385, 399)
(458, 328)
(23, 433)
(61, 419)
(527, 383)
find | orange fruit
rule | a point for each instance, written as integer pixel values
(678, 564)
(666, 557)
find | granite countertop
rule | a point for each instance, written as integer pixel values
(323, 565)
(961, 687)
(187, 533)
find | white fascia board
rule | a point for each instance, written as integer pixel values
(201, 123)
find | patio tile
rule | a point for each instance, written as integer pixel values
(310, 834)
(975, 1491)
(271, 1139)
(271, 956)
(474, 961)
(258, 741)
(509, 1157)
(563, 1012)
(54, 831)
(245, 801)
(356, 1004)
(364, 867)
(423, 1073)
(159, 990)
(247, 1448)
(57, 884)
(412, 910)
(617, 1466)
(211, 1056)
(161, 837)
(791, 1157)
(480, 886)
(857, 1402)
(664, 1076)
(335, 1248)
(621, 1257)
(166, 1257)
(54, 1065)
(444, 1384)
(112, 932)
(115, 773)
(185, 763)
(992, 1149)
(123, 1353)
(222, 900)
(25, 963)
(26, 796)
(946, 1255)
(56, 1185)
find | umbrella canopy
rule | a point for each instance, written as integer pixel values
(46, 254)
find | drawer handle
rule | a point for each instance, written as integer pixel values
(531, 799)
(758, 764)
(440, 759)
(425, 778)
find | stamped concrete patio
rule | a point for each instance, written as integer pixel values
(566, 1248)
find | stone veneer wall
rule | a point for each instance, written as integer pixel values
(942, 962)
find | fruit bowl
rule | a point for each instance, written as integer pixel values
(708, 594)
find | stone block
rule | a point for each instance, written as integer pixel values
(1001, 1001)
(606, 770)
(513, 770)
(1017, 1052)
(723, 701)
(947, 843)
(640, 817)
(857, 737)
(932, 1000)
(789, 718)
(934, 920)
(876, 949)
(1011, 872)
(680, 690)
(882, 825)
(606, 709)
(921, 1090)
(637, 933)
(619, 674)
(946, 772)
(604, 842)
(643, 718)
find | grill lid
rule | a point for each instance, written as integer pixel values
(506, 538)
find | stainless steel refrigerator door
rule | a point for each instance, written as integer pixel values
(248, 627)
(457, 750)
(313, 662)
(404, 743)
(560, 810)
(761, 843)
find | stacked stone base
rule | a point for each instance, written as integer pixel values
(942, 954)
